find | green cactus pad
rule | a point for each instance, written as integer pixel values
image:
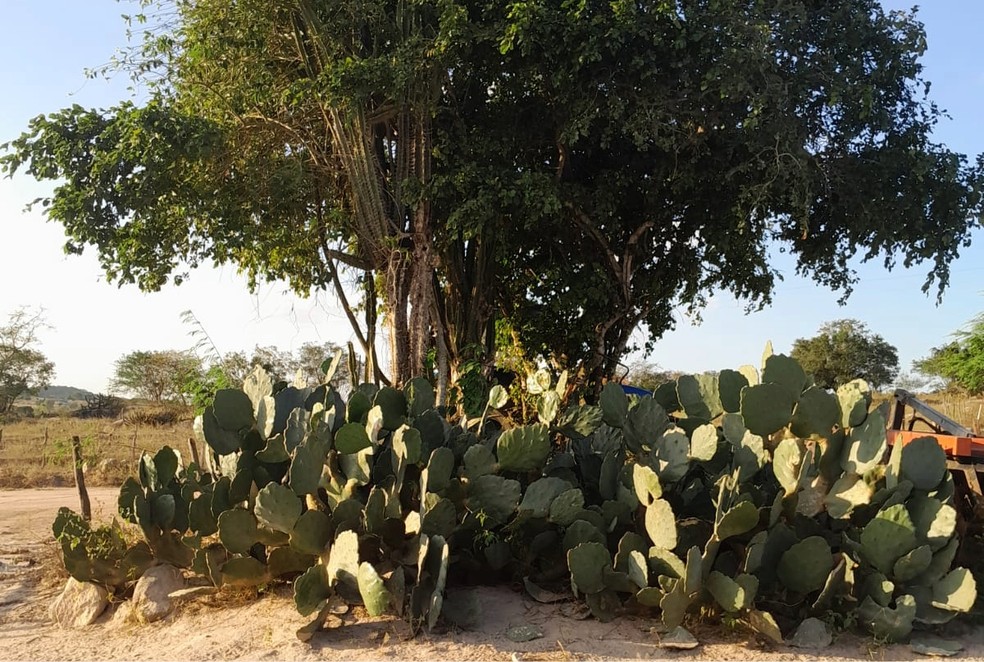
(419, 396)
(587, 563)
(440, 518)
(495, 496)
(200, 518)
(786, 461)
(940, 565)
(244, 571)
(665, 396)
(703, 443)
(233, 410)
(237, 530)
(603, 605)
(394, 405)
(343, 562)
(923, 462)
(439, 468)
(700, 396)
(804, 567)
(565, 508)
(547, 407)
(914, 563)
(786, 372)
(674, 603)
(580, 420)
(733, 427)
(373, 590)
(766, 408)
(630, 542)
(277, 507)
(498, 397)
(957, 591)
(866, 444)
(738, 520)
(349, 515)
(523, 448)
(478, 461)
(886, 623)
(222, 441)
(305, 471)
(935, 522)
(312, 589)
(854, 398)
(816, 413)
(311, 533)
(297, 427)
(275, 450)
(671, 456)
(731, 595)
(351, 438)
(582, 531)
(730, 384)
(357, 408)
(661, 524)
(540, 495)
(646, 484)
(644, 424)
(887, 537)
(283, 561)
(847, 494)
(764, 623)
(663, 562)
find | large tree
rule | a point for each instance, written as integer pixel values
(960, 362)
(23, 368)
(844, 350)
(577, 169)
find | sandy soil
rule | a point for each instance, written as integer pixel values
(238, 627)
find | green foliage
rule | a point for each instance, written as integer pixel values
(960, 362)
(160, 376)
(844, 350)
(251, 109)
(23, 369)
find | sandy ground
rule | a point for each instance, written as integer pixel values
(237, 627)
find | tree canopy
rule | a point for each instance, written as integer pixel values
(960, 362)
(844, 350)
(576, 169)
(160, 375)
(23, 368)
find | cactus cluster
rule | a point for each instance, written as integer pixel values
(750, 492)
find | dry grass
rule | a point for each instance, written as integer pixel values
(38, 452)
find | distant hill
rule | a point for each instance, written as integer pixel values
(63, 393)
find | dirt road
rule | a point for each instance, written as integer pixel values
(230, 626)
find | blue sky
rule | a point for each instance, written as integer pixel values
(48, 44)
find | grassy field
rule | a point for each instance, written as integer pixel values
(37, 452)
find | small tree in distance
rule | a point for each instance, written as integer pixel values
(844, 350)
(23, 369)
(960, 362)
(160, 376)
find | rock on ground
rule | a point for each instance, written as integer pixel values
(150, 596)
(79, 604)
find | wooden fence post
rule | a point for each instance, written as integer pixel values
(194, 452)
(80, 479)
(1, 438)
(44, 447)
(133, 445)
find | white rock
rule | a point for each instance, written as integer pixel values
(124, 614)
(79, 604)
(150, 596)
